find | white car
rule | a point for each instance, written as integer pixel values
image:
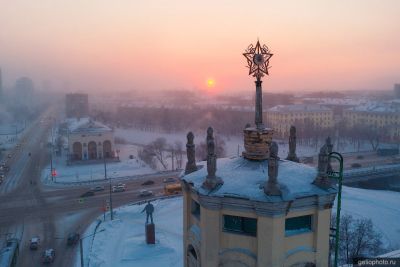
(116, 189)
(145, 193)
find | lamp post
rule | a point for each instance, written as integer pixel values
(81, 246)
(338, 175)
(105, 177)
(51, 154)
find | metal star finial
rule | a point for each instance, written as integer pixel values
(257, 59)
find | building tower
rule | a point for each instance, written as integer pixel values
(256, 210)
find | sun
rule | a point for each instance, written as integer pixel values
(210, 83)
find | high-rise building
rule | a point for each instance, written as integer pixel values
(76, 105)
(397, 90)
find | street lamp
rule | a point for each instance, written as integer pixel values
(105, 177)
(338, 175)
(81, 246)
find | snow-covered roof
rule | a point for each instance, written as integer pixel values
(299, 107)
(86, 125)
(244, 179)
(377, 107)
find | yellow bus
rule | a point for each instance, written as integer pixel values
(172, 189)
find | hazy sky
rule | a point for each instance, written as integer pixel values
(122, 44)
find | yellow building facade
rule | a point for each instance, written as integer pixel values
(281, 117)
(239, 225)
(385, 117)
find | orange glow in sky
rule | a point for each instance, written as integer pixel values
(146, 45)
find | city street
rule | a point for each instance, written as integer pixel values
(30, 209)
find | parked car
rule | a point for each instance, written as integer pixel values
(72, 239)
(148, 182)
(169, 180)
(97, 188)
(116, 189)
(48, 255)
(34, 243)
(145, 193)
(88, 194)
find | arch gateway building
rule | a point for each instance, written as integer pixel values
(89, 140)
(256, 210)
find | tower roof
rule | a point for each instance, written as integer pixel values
(245, 179)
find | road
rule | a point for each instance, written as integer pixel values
(29, 208)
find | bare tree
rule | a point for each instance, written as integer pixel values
(357, 237)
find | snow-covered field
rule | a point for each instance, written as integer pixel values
(122, 243)
(233, 143)
(382, 207)
(95, 171)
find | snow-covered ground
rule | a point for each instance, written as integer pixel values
(122, 243)
(233, 143)
(95, 171)
(382, 207)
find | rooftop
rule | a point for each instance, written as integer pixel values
(299, 107)
(391, 107)
(85, 125)
(244, 179)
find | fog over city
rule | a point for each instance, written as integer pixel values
(187, 134)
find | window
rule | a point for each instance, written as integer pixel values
(195, 209)
(240, 225)
(298, 225)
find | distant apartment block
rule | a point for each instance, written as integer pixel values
(383, 116)
(281, 117)
(76, 105)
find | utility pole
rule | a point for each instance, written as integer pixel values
(105, 177)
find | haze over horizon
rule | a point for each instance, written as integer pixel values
(317, 45)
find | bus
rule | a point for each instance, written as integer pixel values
(172, 189)
(9, 253)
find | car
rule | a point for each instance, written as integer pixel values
(88, 194)
(148, 182)
(169, 180)
(34, 243)
(9, 156)
(145, 193)
(73, 238)
(116, 189)
(48, 255)
(97, 188)
(121, 185)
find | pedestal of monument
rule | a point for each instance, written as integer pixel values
(257, 143)
(150, 234)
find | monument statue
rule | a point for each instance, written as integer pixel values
(322, 179)
(292, 145)
(149, 208)
(271, 187)
(211, 180)
(190, 152)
